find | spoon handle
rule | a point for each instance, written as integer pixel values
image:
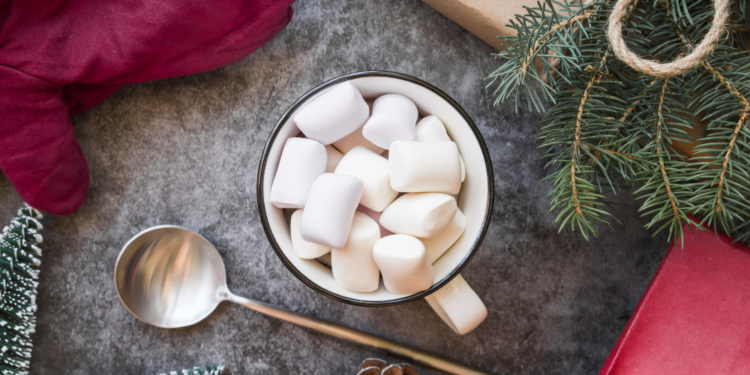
(358, 337)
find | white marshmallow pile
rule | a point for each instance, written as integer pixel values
(344, 177)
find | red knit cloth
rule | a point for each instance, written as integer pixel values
(695, 315)
(60, 57)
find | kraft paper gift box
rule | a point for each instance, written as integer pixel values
(485, 19)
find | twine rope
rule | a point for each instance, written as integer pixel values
(676, 67)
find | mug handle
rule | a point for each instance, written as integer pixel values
(458, 305)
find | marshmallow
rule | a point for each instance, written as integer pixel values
(431, 129)
(334, 157)
(356, 139)
(375, 216)
(422, 215)
(403, 262)
(394, 117)
(436, 246)
(327, 217)
(425, 167)
(372, 169)
(302, 161)
(333, 115)
(353, 266)
(304, 249)
(458, 305)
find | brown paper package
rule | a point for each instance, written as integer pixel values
(484, 18)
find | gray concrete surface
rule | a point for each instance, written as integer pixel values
(185, 151)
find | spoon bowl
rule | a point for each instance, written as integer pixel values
(170, 277)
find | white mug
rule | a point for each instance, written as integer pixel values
(475, 200)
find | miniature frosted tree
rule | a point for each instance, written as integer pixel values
(19, 263)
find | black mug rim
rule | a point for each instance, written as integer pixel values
(360, 302)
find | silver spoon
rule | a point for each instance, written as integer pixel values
(172, 277)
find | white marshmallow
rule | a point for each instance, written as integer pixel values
(431, 129)
(436, 246)
(372, 169)
(394, 117)
(327, 217)
(334, 157)
(423, 215)
(403, 262)
(304, 249)
(333, 115)
(375, 216)
(353, 266)
(425, 167)
(458, 305)
(302, 161)
(356, 139)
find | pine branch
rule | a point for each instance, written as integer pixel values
(664, 176)
(208, 370)
(595, 79)
(659, 119)
(608, 128)
(714, 171)
(583, 149)
(552, 31)
(549, 34)
(723, 198)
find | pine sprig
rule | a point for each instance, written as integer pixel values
(579, 144)
(609, 128)
(663, 176)
(723, 197)
(549, 35)
(208, 370)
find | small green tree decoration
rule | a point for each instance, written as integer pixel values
(19, 263)
(623, 87)
(209, 370)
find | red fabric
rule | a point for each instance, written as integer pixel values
(61, 57)
(694, 316)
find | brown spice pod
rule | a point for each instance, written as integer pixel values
(369, 371)
(393, 370)
(409, 369)
(373, 362)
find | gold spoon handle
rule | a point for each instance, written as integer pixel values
(358, 337)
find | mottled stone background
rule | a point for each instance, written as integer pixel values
(185, 151)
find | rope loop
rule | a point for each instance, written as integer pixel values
(676, 67)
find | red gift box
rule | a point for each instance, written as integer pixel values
(694, 316)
